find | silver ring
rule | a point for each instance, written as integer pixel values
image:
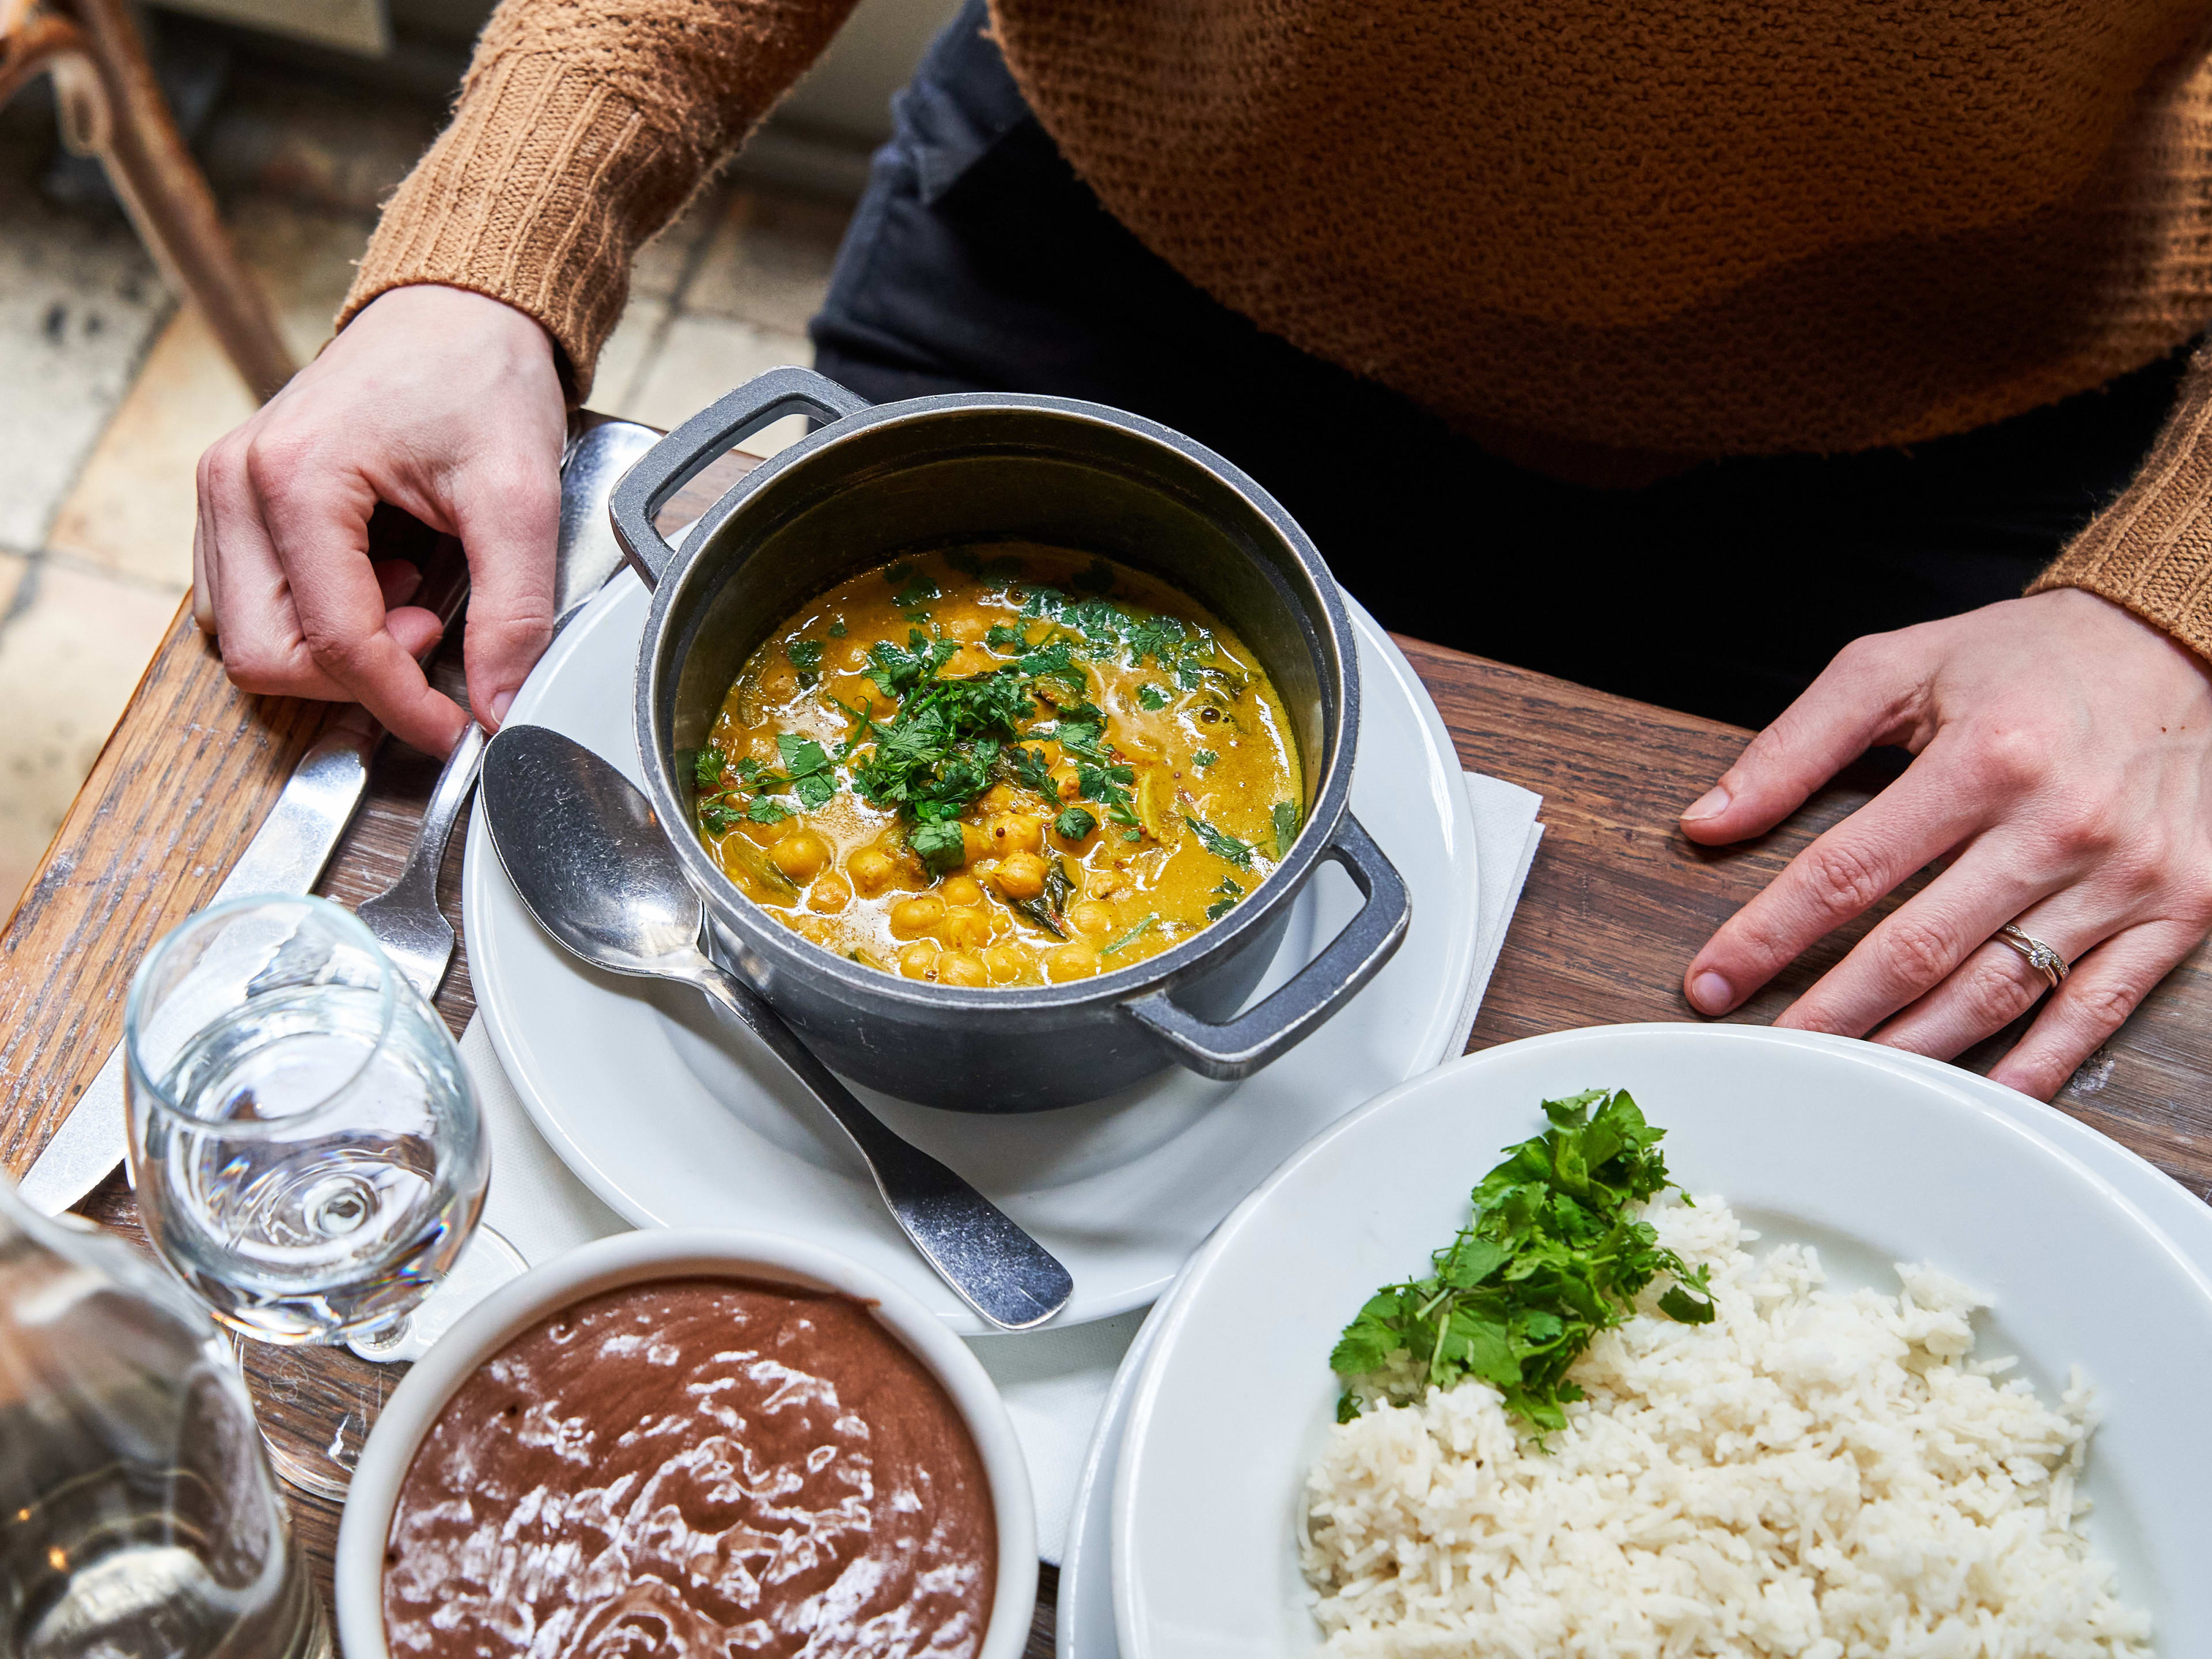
(2040, 956)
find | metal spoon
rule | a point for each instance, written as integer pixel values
(581, 843)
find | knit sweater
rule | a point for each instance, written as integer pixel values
(1605, 240)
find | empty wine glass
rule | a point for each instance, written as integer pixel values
(305, 1143)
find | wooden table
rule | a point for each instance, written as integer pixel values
(1615, 904)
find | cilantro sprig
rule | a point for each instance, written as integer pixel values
(1552, 1254)
(1220, 842)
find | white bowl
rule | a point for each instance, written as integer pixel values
(636, 1258)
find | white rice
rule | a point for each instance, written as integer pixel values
(1813, 1475)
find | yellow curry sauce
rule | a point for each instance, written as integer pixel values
(1000, 765)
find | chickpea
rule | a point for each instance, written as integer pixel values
(778, 684)
(872, 870)
(998, 797)
(1021, 875)
(1074, 960)
(960, 968)
(1092, 917)
(1063, 778)
(912, 918)
(830, 895)
(965, 624)
(919, 960)
(961, 890)
(975, 842)
(1005, 964)
(1016, 832)
(801, 854)
(965, 930)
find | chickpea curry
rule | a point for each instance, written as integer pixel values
(1000, 765)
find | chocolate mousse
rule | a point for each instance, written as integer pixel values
(690, 1467)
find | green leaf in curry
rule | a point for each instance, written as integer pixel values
(1151, 696)
(707, 766)
(1049, 909)
(1130, 938)
(1074, 824)
(1285, 820)
(940, 845)
(1552, 1255)
(806, 656)
(1221, 844)
(1226, 892)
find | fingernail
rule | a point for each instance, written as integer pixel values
(1710, 994)
(499, 704)
(1711, 804)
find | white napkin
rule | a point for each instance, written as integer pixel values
(1053, 1381)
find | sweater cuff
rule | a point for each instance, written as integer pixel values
(537, 195)
(2151, 550)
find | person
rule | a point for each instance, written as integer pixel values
(1822, 369)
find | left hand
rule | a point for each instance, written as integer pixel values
(2062, 775)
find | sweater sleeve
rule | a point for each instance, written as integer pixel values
(581, 129)
(2151, 550)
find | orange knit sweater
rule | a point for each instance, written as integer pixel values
(1605, 239)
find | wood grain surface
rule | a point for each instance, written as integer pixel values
(1615, 903)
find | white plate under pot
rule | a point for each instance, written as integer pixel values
(668, 1119)
(1873, 1156)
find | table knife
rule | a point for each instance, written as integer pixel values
(286, 855)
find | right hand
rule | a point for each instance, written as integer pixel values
(444, 403)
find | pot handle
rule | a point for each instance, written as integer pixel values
(685, 452)
(1239, 1047)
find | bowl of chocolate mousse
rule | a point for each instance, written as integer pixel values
(691, 1443)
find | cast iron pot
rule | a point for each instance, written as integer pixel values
(875, 483)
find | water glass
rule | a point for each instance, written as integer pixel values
(304, 1140)
(137, 1515)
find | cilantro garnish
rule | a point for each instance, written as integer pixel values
(717, 819)
(707, 767)
(940, 845)
(805, 655)
(1074, 824)
(837, 628)
(1226, 892)
(1109, 785)
(1030, 771)
(1152, 697)
(1285, 817)
(1550, 1256)
(952, 738)
(1206, 757)
(1221, 844)
(762, 810)
(1002, 637)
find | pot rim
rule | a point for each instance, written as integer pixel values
(760, 932)
(641, 1257)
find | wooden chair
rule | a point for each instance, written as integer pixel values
(112, 106)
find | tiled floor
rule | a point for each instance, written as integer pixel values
(109, 391)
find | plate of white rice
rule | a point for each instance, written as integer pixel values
(1953, 1402)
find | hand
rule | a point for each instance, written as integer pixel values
(443, 403)
(2064, 775)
